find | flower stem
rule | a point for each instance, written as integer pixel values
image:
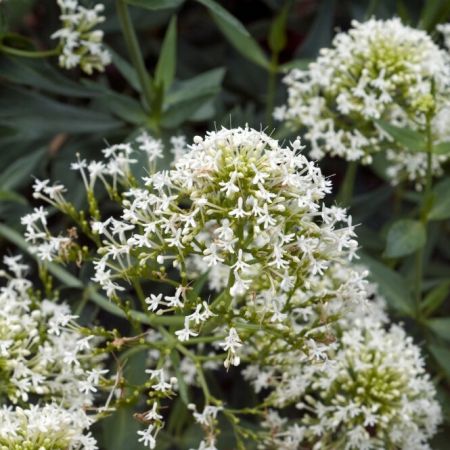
(28, 54)
(346, 191)
(426, 200)
(135, 52)
(271, 89)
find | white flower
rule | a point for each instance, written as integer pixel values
(81, 44)
(377, 70)
(45, 425)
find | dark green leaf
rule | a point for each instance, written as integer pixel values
(433, 11)
(126, 108)
(165, 68)
(39, 74)
(19, 173)
(207, 83)
(11, 196)
(277, 33)
(34, 115)
(236, 34)
(321, 31)
(442, 149)
(391, 285)
(435, 298)
(440, 326)
(120, 430)
(442, 356)
(156, 4)
(405, 237)
(406, 137)
(295, 64)
(441, 201)
(126, 70)
(188, 97)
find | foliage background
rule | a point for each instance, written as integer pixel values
(48, 115)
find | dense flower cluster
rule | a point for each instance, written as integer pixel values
(240, 200)
(49, 427)
(44, 358)
(370, 391)
(378, 70)
(81, 44)
(41, 350)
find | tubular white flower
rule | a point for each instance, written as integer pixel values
(270, 234)
(81, 44)
(377, 70)
(48, 427)
(42, 352)
(370, 391)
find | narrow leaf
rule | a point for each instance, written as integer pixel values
(155, 4)
(391, 285)
(440, 326)
(277, 34)
(435, 298)
(441, 201)
(405, 237)
(165, 68)
(236, 34)
(406, 137)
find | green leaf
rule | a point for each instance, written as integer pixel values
(321, 32)
(391, 285)
(441, 201)
(156, 4)
(19, 172)
(442, 149)
(120, 430)
(34, 115)
(186, 98)
(442, 356)
(236, 34)
(11, 196)
(405, 237)
(433, 11)
(440, 326)
(277, 34)
(126, 70)
(295, 64)
(40, 74)
(165, 68)
(435, 298)
(406, 137)
(126, 108)
(207, 83)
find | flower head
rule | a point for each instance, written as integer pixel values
(378, 70)
(82, 45)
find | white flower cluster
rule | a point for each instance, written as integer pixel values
(371, 392)
(240, 200)
(81, 45)
(42, 352)
(44, 358)
(377, 70)
(48, 427)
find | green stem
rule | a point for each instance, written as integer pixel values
(28, 54)
(426, 201)
(135, 52)
(271, 89)
(346, 191)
